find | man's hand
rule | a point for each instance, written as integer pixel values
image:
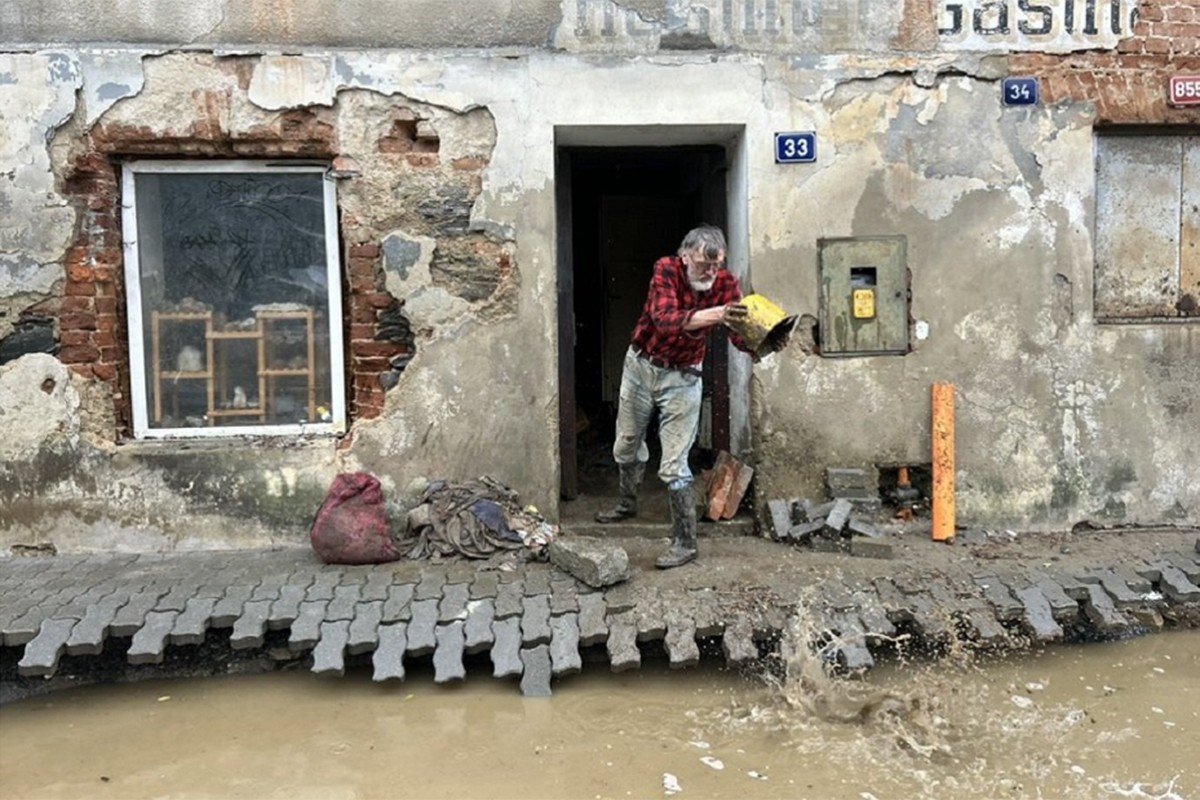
(734, 312)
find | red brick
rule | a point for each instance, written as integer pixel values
(77, 338)
(79, 354)
(373, 349)
(423, 160)
(364, 251)
(110, 355)
(80, 289)
(1158, 45)
(106, 305)
(106, 323)
(361, 313)
(105, 338)
(105, 372)
(79, 272)
(363, 283)
(375, 365)
(78, 320)
(378, 299)
(1150, 12)
(469, 163)
(362, 331)
(83, 370)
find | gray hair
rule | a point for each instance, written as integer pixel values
(707, 240)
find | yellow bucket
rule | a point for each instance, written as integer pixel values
(766, 325)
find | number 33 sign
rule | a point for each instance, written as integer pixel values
(795, 148)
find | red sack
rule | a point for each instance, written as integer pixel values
(352, 525)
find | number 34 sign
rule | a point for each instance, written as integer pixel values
(795, 148)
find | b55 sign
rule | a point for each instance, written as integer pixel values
(1185, 90)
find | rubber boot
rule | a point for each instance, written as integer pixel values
(631, 479)
(683, 520)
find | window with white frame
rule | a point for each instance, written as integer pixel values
(234, 298)
(1147, 225)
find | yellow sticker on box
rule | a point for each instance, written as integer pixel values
(864, 303)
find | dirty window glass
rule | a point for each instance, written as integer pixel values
(234, 299)
(1147, 226)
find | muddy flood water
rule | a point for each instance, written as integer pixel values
(1112, 720)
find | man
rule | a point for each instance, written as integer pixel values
(690, 293)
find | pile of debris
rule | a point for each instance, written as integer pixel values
(841, 525)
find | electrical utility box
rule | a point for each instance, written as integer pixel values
(864, 296)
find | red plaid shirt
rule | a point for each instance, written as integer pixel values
(670, 304)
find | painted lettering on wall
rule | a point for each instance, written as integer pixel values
(1029, 18)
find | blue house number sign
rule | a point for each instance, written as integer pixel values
(1020, 91)
(795, 148)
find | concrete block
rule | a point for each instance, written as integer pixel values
(306, 630)
(453, 605)
(388, 659)
(820, 544)
(150, 640)
(650, 616)
(506, 658)
(871, 548)
(329, 656)
(802, 533)
(535, 621)
(379, 582)
(839, 515)
(816, 511)
(535, 675)
(537, 580)
(623, 653)
(229, 607)
(680, 640)
(42, 653)
(1039, 616)
(422, 634)
(448, 657)
(1176, 586)
(780, 514)
(857, 526)
(250, 628)
(564, 597)
(484, 585)
(398, 606)
(478, 629)
(285, 609)
(510, 600)
(595, 562)
(431, 584)
(842, 478)
(564, 645)
(738, 642)
(345, 599)
(364, 628)
(593, 629)
(1100, 611)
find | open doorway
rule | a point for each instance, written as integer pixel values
(619, 210)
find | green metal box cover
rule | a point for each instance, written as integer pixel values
(864, 262)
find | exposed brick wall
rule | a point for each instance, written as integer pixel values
(91, 313)
(1128, 86)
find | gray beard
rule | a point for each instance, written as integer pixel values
(701, 286)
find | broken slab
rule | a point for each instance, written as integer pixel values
(595, 562)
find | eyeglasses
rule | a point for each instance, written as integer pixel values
(706, 266)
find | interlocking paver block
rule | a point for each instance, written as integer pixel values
(535, 621)
(269, 587)
(388, 659)
(87, 638)
(306, 630)
(680, 641)
(150, 640)
(230, 606)
(398, 606)
(448, 657)
(377, 585)
(851, 641)
(329, 656)
(931, 620)
(535, 675)
(42, 653)
(649, 613)
(250, 628)
(564, 598)
(620, 598)
(623, 653)
(364, 628)
(1062, 606)
(342, 606)
(484, 585)
(738, 641)
(478, 629)
(1039, 616)
(870, 610)
(997, 594)
(286, 608)
(537, 580)
(592, 626)
(323, 584)
(1176, 586)
(431, 585)
(1185, 564)
(980, 619)
(564, 644)
(1114, 584)
(894, 603)
(461, 572)
(506, 659)
(422, 637)
(131, 616)
(1101, 612)
(510, 600)
(453, 605)
(192, 623)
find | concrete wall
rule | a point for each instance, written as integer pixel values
(1059, 418)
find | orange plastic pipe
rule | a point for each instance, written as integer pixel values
(943, 462)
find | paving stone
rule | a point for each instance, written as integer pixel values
(564, 599)
(1136, 583)
(870, 610)
(859, 526)
(623, 653)
(87, 637)
(301, 577)
(707, 613)
(871, 548)
(738, 641)
(485, 585)
(306, 630)
(821, 544)
(780, 513)
(803, 532)
(43, 651)
(1185, 564)
(131, 616)
(650, 617)
(564, 644)
(851, 643)
(448, 657)
(149, 641)
(364, 628)
(422, 629)
(1039, 616)
(398, 606)
(388, 659)
(680, 640)
(815, 511)
(269, 587)
(355, 574)
(1118, 590)
(620, 598)
(1062, 606)
(836, 596)
(322, 585)
(980, 619)
(285, 609)
(453, 605)
(431, 585)
(1073, 587)
(894, 603)
(329, 656)
(1000, 598)
(1100, 611)
(344, 603)
(838, 516)
(510, 600)
(932, 621)
(191, 625)
(535, 621)
(250, 628)
(460, 572)
(377, 586)
(229, 607)
(593, 629)
(535, 675)
(1176, 586)
(478, 629)
(176, 599)
(537, 580)
(506, 652)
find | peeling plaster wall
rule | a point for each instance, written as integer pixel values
(1059, 418)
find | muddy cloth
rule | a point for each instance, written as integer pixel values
(475, 519)
(352, 526)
